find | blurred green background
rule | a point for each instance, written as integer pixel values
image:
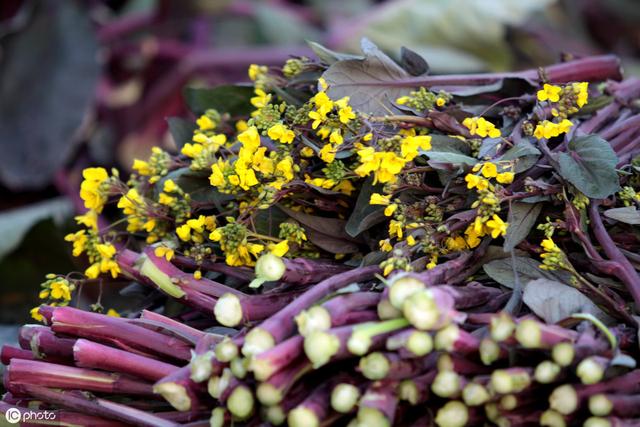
(92, 82)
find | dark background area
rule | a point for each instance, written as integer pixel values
(92, 83)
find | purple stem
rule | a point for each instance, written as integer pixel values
(21, 372)
(100, 327)
(9, 352)
(626, 273)
(88, 354)
(282, 325)
(92, 405)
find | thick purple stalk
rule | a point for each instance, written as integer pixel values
(233, 309)
(342, 305)
(314, 409)
(149, 273)
(267, 363)
(378, 404)
(242, 273)
(21, 372)
(446, 272)
(179, 389)
(272, 391)
(625, 406)
(45, 344)
(471, 295)
(117, 331)
(391, 366)
(88, 354)
(338, 311)
(302, 271)
(626, 273)
(9, 352)
(92, 405)
(170, 325)
(282, 325)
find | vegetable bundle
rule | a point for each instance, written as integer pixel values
(380, 246)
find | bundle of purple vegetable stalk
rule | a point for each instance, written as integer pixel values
(355, 242)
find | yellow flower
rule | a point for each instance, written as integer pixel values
(323, 103)
(191, 150)
(472, 238)
(184, 232)
(250, 139)
(106, 250)
(395, 229)
(328, 153)
(440, 101)
(345, 113)
(255, 71)
(411, 241)
(409, 146)
(379, 199)
(60, 290)
(35, 314)
(489, 170)
(389, 210)
(385, 245)
(284, 168)
(111, 312)
(582, 89)
(279, 249)
(261, 99)
(164, 252)
(165, 199)
(433, 262)
(505, 177)
(307, 152)
(280, 132)
(317, 119)
(79, 239)
(481, 127)
(336, 137)
(547, 129)
(550, 93)
(367, 137)
(197, 274)
(457, 243)
(90, 191)
(217, 177)
(89, 220)
(93, 271)
(476, 181)
(241, 126)
(345, 186)
(141, 167)
(169, 186)
(497, 226)
(205, 123)
(549, 245)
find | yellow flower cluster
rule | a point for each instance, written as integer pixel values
(194, 229)
(487, 221)
(547, 129)
(92, 191)
(552, 257)
(386, 165)
(481, 127)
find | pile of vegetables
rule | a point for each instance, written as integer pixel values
(356, 242)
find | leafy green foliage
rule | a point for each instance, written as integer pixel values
(232, 99)
(181, 130)
(364, 215)
(590, 165)
(369, 82)
(522, 217)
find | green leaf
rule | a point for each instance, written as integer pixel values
(365, 215)
(412, 62)
(522, 217)
(267, 221)
(590, 165)
(368, 82)
(232, 99)
(448, 144)
(47, 84)
(330, 243)
(329, 56)
(332, 226)
(554, 301)
(628, 215)
(181, 130)
(451, 158)
(527, 269)
(15, 223)
(524, 154)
